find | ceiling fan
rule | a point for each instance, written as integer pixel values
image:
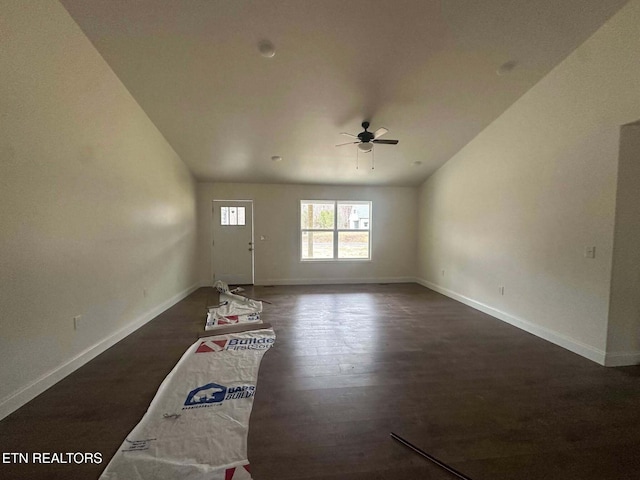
(366, 139)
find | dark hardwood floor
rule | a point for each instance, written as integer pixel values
(351, 364)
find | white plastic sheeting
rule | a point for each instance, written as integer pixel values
(196, 426)
(239, 299)
(221, 286)
(233, 309)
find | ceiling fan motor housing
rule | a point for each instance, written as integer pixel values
(365, 136)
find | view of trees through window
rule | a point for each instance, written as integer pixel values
(332, 229)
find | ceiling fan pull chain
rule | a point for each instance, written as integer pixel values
(373, 159)
(357, 157)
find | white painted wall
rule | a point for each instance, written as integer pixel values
(95, 206)
(517, 206)
(276, 210)
(623, 339)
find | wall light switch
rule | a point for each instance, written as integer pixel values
(77, 322)
(590, 252)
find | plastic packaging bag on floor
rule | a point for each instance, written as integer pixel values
(196, 426)
(241, 301)
(233, 309)
(215, 319)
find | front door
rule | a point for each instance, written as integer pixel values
(233, 241)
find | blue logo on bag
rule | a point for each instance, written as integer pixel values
(209, 393)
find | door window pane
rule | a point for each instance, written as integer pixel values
(232, 216)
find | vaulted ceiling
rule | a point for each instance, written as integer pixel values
(424, 69)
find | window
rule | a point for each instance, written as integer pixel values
(331, 230)
(232, 215)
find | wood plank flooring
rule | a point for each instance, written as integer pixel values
(351, 364)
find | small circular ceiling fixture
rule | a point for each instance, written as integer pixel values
(276, 158)
(507, 67)
(266, 48)
(365, 146)
(416, 163)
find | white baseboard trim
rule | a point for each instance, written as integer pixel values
(331, 281)
(559, 339)
(622, 359)
(17, 399)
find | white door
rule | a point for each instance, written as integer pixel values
(233, 241)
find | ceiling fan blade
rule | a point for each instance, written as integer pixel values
(348, 134)
(386, 142)
(348, 143)
(379, 132)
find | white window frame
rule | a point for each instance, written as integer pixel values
(335, 230)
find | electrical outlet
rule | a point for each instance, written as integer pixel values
(590, 252)
(77, 322)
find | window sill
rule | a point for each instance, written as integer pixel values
(334, 260)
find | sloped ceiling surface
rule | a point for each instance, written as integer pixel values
(424, 69)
